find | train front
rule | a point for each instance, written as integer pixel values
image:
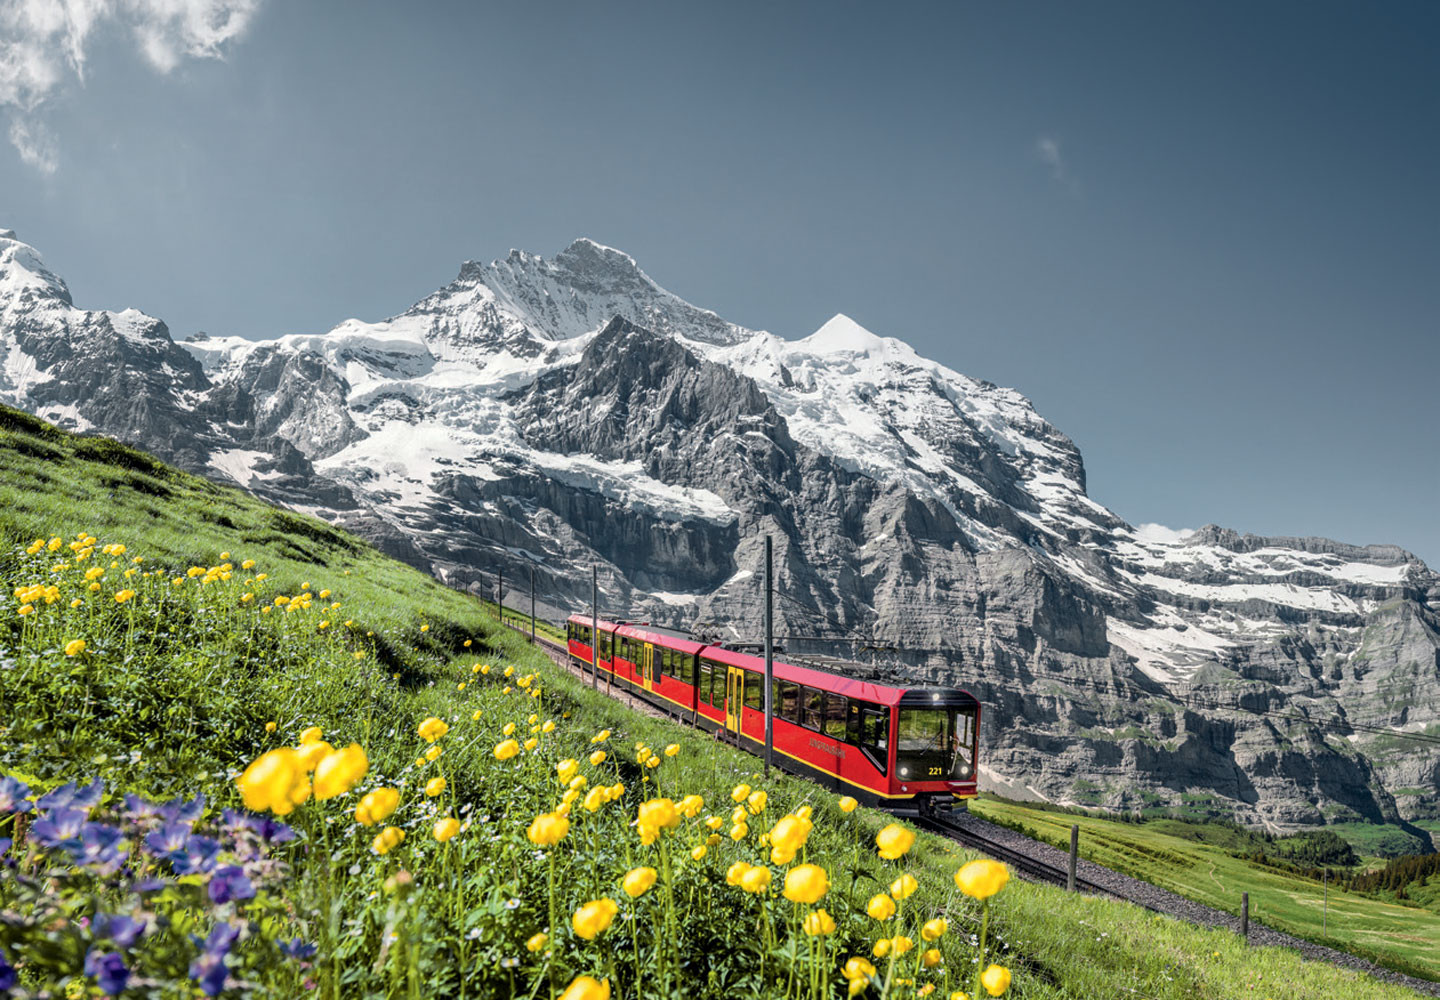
(937, 734)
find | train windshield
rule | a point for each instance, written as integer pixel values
(936, 744)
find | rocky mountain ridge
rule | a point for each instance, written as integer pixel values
(551, 414)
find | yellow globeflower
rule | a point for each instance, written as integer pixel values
(446, 828)
(548, 829)
(857, 968)
(755, 802)
(790, 833)
(548, 726)
(900, 944)
(735, 872)
(75, 647)
(739, 815)
(601, 736)
(659, 813)
(340, 771)
(567, 769)
(536, 941)
(756, 879)
(819, 923)
(690, 806)
(739, 832)
(76, 603)
(432, 729)
(531, 743)
(931, 958)
(509, 729)
(740, 793)
(699, 852)
(311, 754)
(848, 804)
(672, 750)
(476, 716)
(806, 884)
(586, 988)
(578, 783)
(595, 798)
(780, 856)
(312, 735)
(594, 917)
(506, 749)
(982, 879)
(272, 782)
(434, 787)
(804, 812)
(638, 881)
(881, 907)
(935, 929)
(617, 790)
(433, 754)
(377, 806)
(269, 727)
(714, 822)
(995, 979)
(881, 948)
(467, 643)
(597, 758)
(894, 841)
(121, 596)
(904, 887)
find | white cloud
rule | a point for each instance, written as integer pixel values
(43, 47)
(1048, 149)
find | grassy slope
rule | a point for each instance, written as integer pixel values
(1401, 936)
(178, 710)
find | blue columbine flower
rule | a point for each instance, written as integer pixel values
(297, 948)
(100, 846)
(60, 828)
(180, 811)
(230, 882)
(109, 970)
(70, 796)
(209, 971)
(123, 930)
(151, 884)
(7, 974)
(14, 796)
(267, 828)
(197, 856)
(167, 840)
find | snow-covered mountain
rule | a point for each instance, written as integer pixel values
(557, 413)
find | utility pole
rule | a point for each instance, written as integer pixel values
(1325, 906)
(769, 657)
(1245, 915)
(500, 596)
(1074, 857)
(594, 627)
(532, 604)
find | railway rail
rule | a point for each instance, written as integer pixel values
(1040, 862)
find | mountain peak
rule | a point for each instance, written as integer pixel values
(842, 335)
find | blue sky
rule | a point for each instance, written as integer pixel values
(1204, 239)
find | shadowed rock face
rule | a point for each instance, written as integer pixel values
(551, 415)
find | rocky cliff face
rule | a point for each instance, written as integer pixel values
(550, 415)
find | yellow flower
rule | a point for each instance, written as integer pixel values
(433, 754)
(311, 754)
(312, 735)
(900, 944)
(424, 628)
(904, 886)
(935, 929)
(434, 787)
(467, 643)
(930, 958)
(324, 594)
(740, 793)
(658, 813)
(536, 942)
(94, 573)
(601, 736)
(982, 879)
(509, 729)
(476, 716)
(566, 769)
(121, 596)
(995, 979)
(714, 823)
(446, 828)
(848, 804)
(739, 815)
(548, 727)
(272, 781)
(638, 881)
(790, 833)
(894, 841)
(819, 923)
(756, 803)
(756, 879)
(340, 771)
(509, 671)
(780, 856)
(594, 799)
(594, 917)
(881, 948)
(806, 884)
(76, 603)
(506, 749)
(881, 907)
(735, 872)
(597, 758)
(857, 968)
(586, 988)
(248, 564)
(672, 750)
(531, 743)
(75, 647)
(26, 609)
(739, 832)
(432, 729)
(699, 853)
(269, 727)
(804, 812)
(548, 829)
(377, 806)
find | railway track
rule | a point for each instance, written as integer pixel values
(1040, 862)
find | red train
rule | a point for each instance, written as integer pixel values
(888, 746)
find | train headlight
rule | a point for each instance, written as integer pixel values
(904, 772)
(964, 770)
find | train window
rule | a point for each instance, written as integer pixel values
(604, 645)
(708, 670)
(787, 703)
(814, 703)
(685, 667)
(755, 691)
(868, 726)
(835, 716)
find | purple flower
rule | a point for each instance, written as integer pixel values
(167, 840)
(230, 883)
(7, 974)
(109, 970)
(100, 846)
(123, 930)
(180, 811)
(59, 828)
(5, 843)
(151, 884)
(209, 971)
(14, 795)
(68, 796)
(196, 857)
(297, 949)
(222, 936)
(267, 828)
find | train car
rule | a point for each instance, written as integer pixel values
(902, 748)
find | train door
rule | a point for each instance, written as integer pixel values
(734, 698)
(647, 667)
